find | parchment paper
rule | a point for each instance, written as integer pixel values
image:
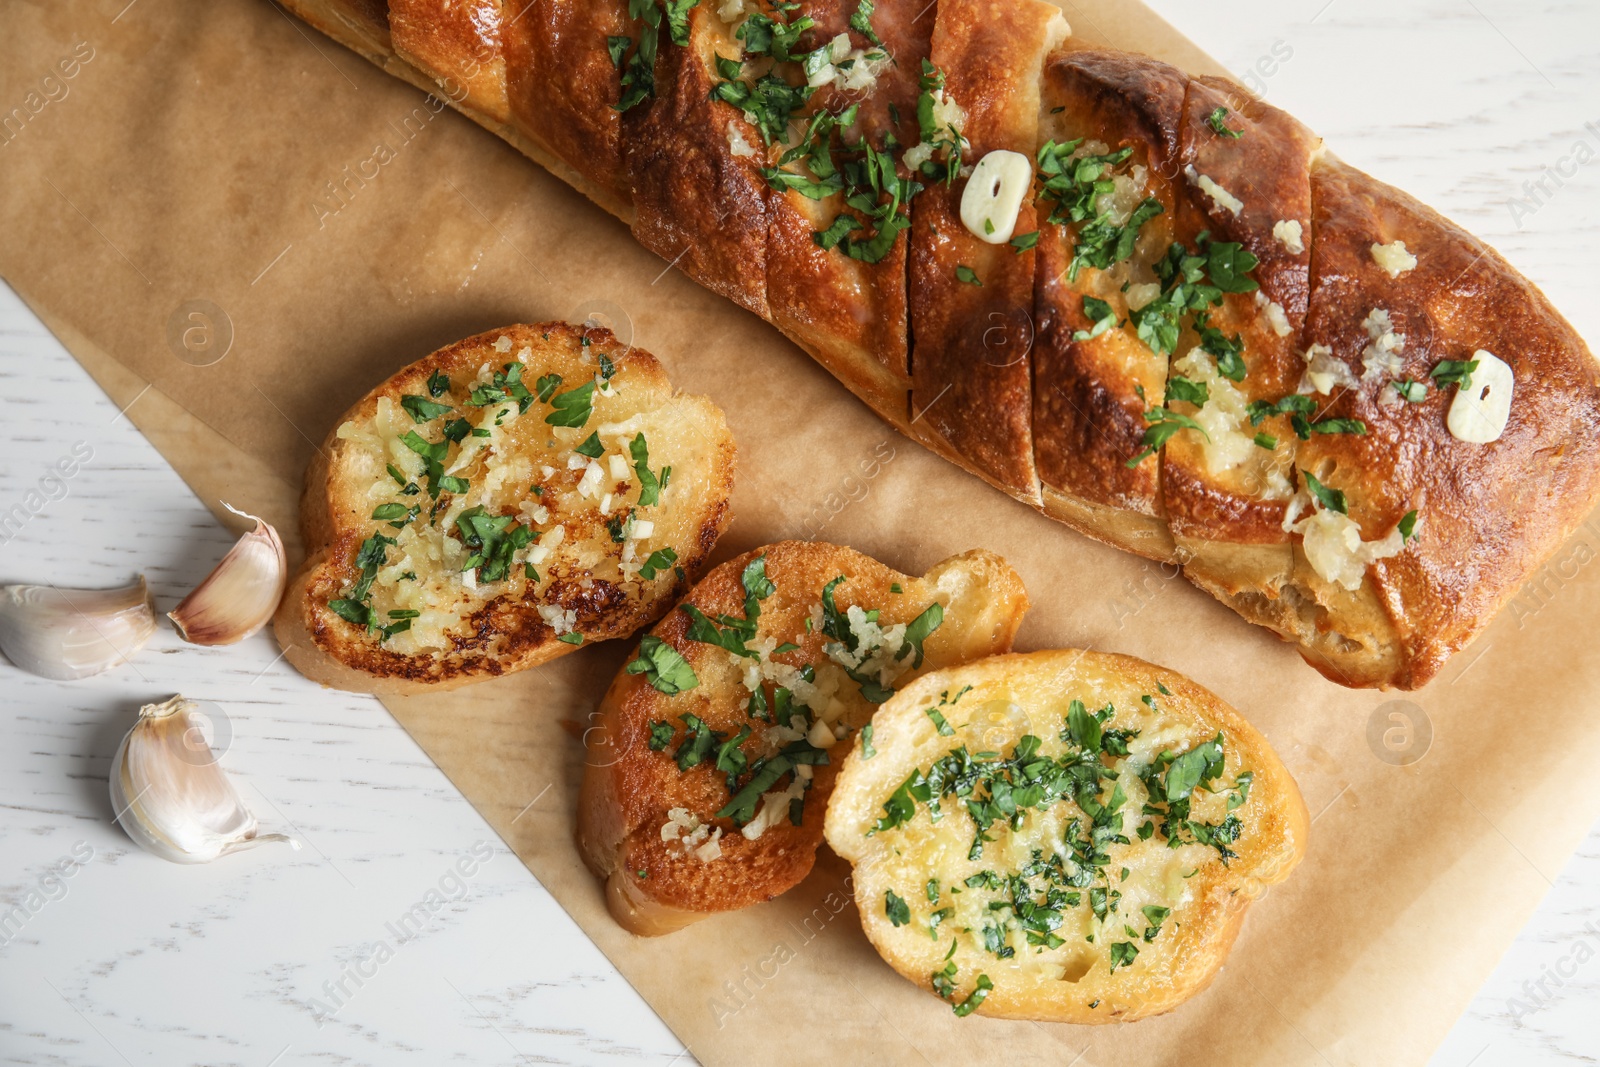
(217, 184)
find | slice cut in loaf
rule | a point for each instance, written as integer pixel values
(1064, 836)
(707, 781)
(1205, 339)
(497, 505)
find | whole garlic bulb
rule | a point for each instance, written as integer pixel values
(171, 795)
(67, 634)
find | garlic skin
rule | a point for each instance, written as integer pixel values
(171, 795)
(67, 634)
(240, 594)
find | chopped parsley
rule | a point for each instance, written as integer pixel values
(407, 487)
(661, 734)
(421, 409)
(355, 606)
(1414, 391)
(1189, 392)
(1299, 408)
(1164, 425)
(1408, 526)
(658, 561)
(506, 384)
(1155, 915)
(1123, 954)
(432, 454)
(396, 515)
(1229, 354)
(765, 774)
(898, 911)
(729, 632)
(970, 1005)
(1453, 372)
(918, 630)
(1192, 283)
(438, 384)
(861, 21)
(967, 275)
(617, 47)
(492, 539)
(639, 73)
(677, 12)
(591, 446)
(650, 485)
(1218, 121)
(1100, 314)
(1331, 499)
(662, 666)
(572, 408)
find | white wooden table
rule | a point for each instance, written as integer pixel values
(262, 958)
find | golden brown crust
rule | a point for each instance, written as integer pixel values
(563, 88)
(971, 364)
(458, 44)
(1088, 409)
(629, 788)
(1080, 414)
(1488, 513)
(851, 315)
(1268, 169)
(697, 205)
(1069, 982)
(507, 632)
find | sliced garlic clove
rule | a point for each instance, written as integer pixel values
(1482, 405)
(67, 634)
(994, 195)
(171, 795)
(240, 595)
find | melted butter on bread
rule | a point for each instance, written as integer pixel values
(1147, 817)
(498, 504)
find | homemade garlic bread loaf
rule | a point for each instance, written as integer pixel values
(707, 780)
(1064, 836)
(499, 504)
(1147, 303)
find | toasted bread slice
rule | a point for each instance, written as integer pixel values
(971, 302)
(849, 312)
(498, 504)
(700, 202)
(1070, 901)
(706, 787)
(562, 87)
(1092, 387)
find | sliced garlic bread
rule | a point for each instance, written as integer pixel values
(1064, 836)
(498, 504)
(706, 785)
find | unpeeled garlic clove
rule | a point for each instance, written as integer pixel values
(67, 634)
(239, 596)
(171, 795)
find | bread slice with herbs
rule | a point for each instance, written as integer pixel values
(1062, 836)
(706, 785)
(499, 504)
